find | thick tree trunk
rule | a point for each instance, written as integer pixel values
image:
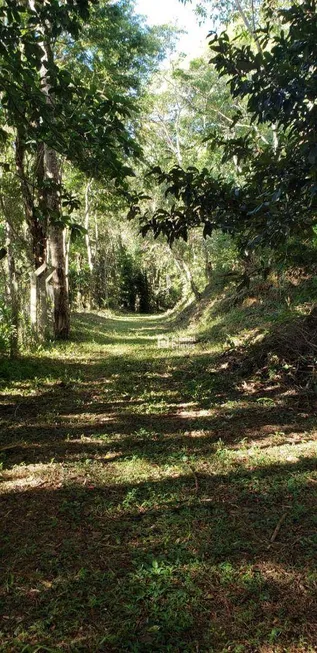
(60, 282)
(36, 222)
(57, 247)
(52, 202)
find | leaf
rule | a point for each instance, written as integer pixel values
(312, 155)
(77, 232)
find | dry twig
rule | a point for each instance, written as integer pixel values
(278, 528)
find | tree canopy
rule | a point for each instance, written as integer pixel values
(275, 196)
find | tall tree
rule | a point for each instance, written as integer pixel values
(57, 113)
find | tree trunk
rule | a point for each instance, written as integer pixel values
(87, 216)
(38, 230)
(251, 28)
(13, 295)
(190, 279)
(60, 283)
(52, 204)
(87, 242)
(57, 247)
(208, 264)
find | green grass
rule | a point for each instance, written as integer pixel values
(140, 490)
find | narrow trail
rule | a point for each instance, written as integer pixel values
(149, 504)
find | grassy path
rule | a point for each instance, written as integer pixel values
(141, 489)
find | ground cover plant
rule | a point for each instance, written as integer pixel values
(152, 501)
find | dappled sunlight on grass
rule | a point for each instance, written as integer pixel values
(140, 492)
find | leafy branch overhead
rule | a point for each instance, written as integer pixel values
(85, 123)
(275, 194)
(200, 200)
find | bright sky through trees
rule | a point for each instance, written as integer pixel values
(172, 11)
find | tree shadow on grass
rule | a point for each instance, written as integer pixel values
(128, 329)
(158, 565)
(65, 423)
(179, 562)
(76, 408)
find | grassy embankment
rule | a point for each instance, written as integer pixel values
(162, 499)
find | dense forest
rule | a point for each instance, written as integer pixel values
(158, 328)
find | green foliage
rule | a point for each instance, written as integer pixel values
(134, 287)
(275, 197)
(200, 200)
(279, 85)
(79, 281)
(6, 328)
(85, 121)
(226, 11)
(222, 252)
